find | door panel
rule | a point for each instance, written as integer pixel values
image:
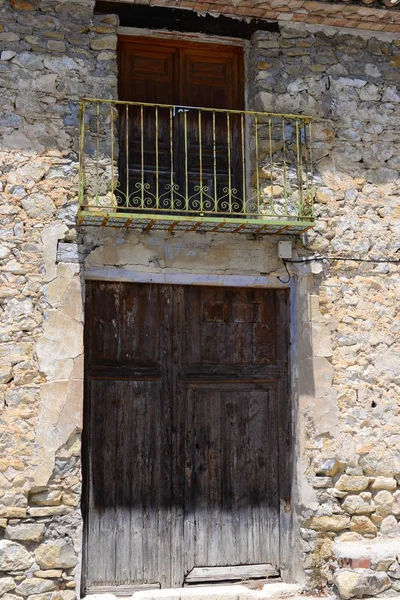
(231, 327)
(116, 314)
(186, 455)
(235, 509)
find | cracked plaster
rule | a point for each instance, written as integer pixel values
(60, 356)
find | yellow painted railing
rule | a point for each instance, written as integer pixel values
(177, 167)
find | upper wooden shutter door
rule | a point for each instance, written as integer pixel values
(148, 73)
(212, 77)
(189, 149)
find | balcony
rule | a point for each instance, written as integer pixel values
(164, 167)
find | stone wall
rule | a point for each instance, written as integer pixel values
(350, 85)
(50, 56)
(345, 319)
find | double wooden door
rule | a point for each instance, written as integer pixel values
(187, 431)
(176, 157)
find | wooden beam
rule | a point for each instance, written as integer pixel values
(149, 225)
(195, 226)
(121, 590)
(240, 572)
(217, 227)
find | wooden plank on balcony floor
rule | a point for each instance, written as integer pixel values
(174, 224)
(281, 230)
(217, 227)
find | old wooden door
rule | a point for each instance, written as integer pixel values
(187, 427)
(174, 157)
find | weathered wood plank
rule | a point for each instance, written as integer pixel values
(178, 424)
(285, 437)
(123, 473)
(103, 460)
(121, 590)
(137, 437)
(238, 373)
(237, 572)
(162, 537)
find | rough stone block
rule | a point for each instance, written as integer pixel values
(57, 554)
(351, 584)
(5, 374)
(10, 597)
(7, 55)
(390, 526)
(38, 205)
(349, 536)
(328, 468)
(14, 499)
(46, 498)
(25, 4)
(362, 524)
(25, 532)
(14, 557)
(66, 595)
(349, 483)
(56, 46)
(6, 585)
(50, 574)
(384, 483)
(104, 42)
(384, 501)
(383, 565)
(12, 512)
(332, 523)
(322, 482)
(394, 571)
(35, 585)
(8, 36)
(355, 505)
(46, 511)
(45, 596)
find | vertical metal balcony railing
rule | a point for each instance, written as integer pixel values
(168, 167)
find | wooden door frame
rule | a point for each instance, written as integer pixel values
(171, 36)
(287, 414)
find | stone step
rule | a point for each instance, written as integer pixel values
(271, 591)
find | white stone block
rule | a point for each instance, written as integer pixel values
(279, 590)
